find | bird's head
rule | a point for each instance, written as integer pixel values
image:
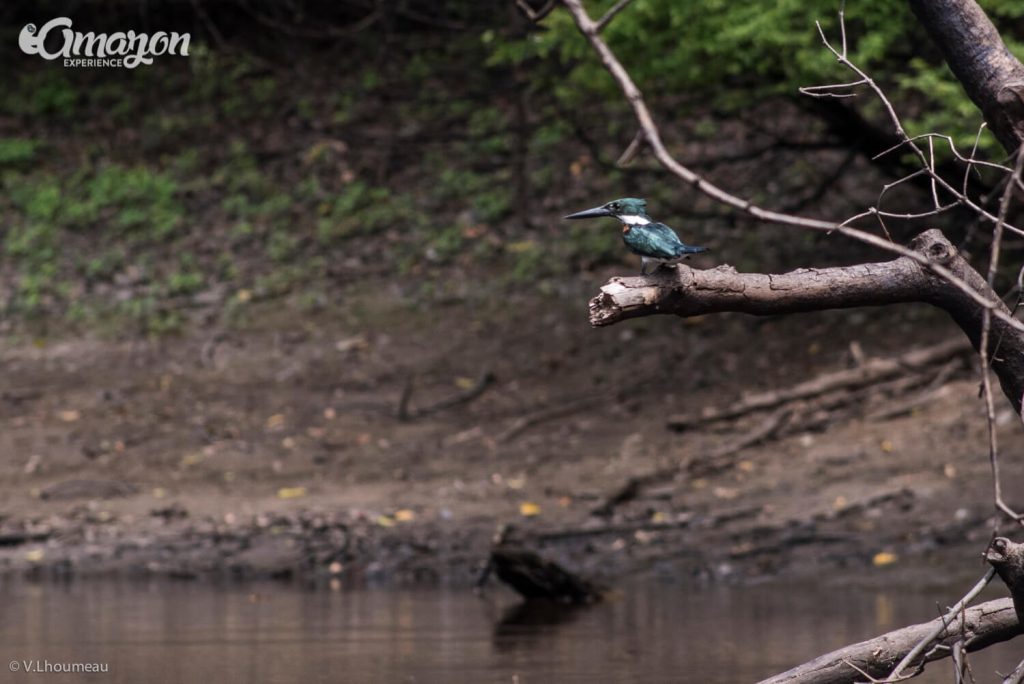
(629, 210)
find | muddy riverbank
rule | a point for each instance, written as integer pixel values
(370, 449)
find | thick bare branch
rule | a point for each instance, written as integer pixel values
(983, 625)
(991, 75)
(1007, 557)
(691, 292)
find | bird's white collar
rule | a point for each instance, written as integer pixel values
(632, 220)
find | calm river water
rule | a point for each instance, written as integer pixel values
(166, 632)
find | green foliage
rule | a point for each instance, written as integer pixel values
(137, 201)
(488, 195)
(282, 246)
(104, 265)
(531, 261)
(49, 93)
(399, 163)
(17, 151)
(362, 209)
(595, 245)
(149, 315)
(187, 278)
(43, 210)
(732, 54)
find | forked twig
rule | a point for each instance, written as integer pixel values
(941, 628)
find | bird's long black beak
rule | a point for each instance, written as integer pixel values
(596, 212)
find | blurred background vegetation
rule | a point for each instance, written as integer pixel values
(306, 152)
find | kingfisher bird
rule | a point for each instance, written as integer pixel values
(656, 243)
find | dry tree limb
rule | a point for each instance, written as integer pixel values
(682, 521)
(870, 372)
(982, 626)
(795, 416)
(717, 459)
(520, 425)
(625, 528)
(725, 456)
(1007, 558)
(18, 537)
(930, 393)
(404, 412)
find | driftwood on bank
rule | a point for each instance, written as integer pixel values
(934, 390)
(685, 292)
(801, 415)
(719, 458)
(406, 412)
(567, 408)
(983, 625)
(870, 372)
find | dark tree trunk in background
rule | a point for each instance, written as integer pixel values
(988, 71)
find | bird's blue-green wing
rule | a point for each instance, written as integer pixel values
(654, 240)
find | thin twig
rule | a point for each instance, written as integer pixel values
(941, 627)
(931, 170)
(629, 154)
(974, 150)
(610, 14)
(535, 15)
(970, 161)
(1017, 676)
(983, 353)
(901, 131)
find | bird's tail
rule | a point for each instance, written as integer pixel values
(690, 249)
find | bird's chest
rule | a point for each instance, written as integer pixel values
(632, 236)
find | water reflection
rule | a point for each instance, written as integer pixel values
(180, 632)
(523, 624)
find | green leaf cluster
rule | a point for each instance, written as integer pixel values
(730, 55)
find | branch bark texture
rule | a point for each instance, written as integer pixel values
(1007, 557)
(987, 70)
(992, 77)
(984, 625)
(690, 292)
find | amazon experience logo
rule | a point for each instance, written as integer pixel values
(120, 49)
